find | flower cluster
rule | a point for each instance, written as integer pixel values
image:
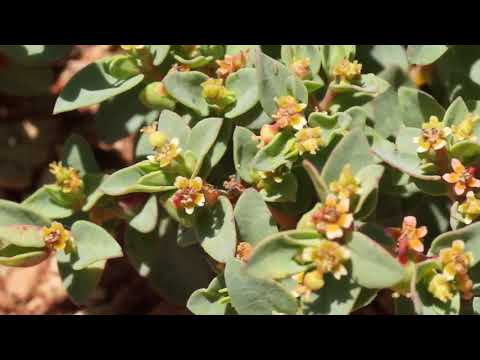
(189, 194)
(289, 113)
(301, 68)
(455, 263)
(231, 64)
(434, 136)
(309, 140)
(347, 185)
(409, 239)
(327, 257)
(165, 151)
(347, 72)
(67, 178)
(216, 94)
(464, 130)
(57, 238)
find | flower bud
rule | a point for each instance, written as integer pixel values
(154, 96)
(157, 139)
(314, 280)
(267, 133)
(123, 67)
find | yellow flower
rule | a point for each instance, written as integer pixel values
(68, 179)
(328, 257)
(189, 194)
(441, 288)
(309, 140)
(216, 94)
(464, 131)
(433, 136)
(301, 68)
(461, 177)
(470, 208)
(56, 237)
(333, 217)
(347, 185)
(166, 154)
(455, 263)
(289, 113)
(347, 71)
(231, 63)
(455, 260)
(301, 290)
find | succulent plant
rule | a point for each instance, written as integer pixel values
(305, 184)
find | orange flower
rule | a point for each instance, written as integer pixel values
(301, 68)
(333, 217)
(461, 177)
(409, 237)
(230, 64)
(289, 113)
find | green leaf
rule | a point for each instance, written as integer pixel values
(425, 54)
(386, 113)
(319, 184)
(372, 266)
(369, 178)
(215, 229)
(93, 244)
(122, 116)
(253, 229)
(186, 88)
(407, 163)
(136, 179)
(273, 257)
(202, 138)
(286, 191)
(275, 80)
(244, 150)
(337, 297)
(255, 296)
(146, 220)
(292, 53)
(174, 271)
(159, 53)
(210, 301)
(217, 151)
(365, 298)
(331, 56)
(78, 154)
(417, 106)
(13, 214)
(79, 284)
(469, 234)
(174, 126)
(243, 83)
(92, 85)
(16, 256)
(26, 236)
(353, 149)
(41, 202)
(92, 188)
(456, 112)
(272, 156)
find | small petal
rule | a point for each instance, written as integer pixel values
(345, 221)
(457, 166)
(439, 144)
(189, 210)
(415, 244)
(333, 231)
(459, 188)
(451, 178)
